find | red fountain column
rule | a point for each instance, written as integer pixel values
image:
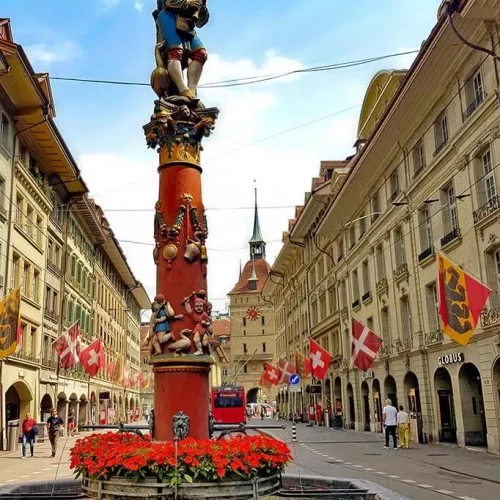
(181, 380)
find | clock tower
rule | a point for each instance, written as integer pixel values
(252, 330)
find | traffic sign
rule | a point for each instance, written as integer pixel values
(294, 379)
(295, 388)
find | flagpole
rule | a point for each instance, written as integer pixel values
(244, 364)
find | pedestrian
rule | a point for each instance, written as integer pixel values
(30, 431)
(54, 426)
(404, 433)
(389, 416)
(71, 423)
(262, 412)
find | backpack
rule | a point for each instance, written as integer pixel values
(35, 430)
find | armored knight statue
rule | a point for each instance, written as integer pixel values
(179, 47)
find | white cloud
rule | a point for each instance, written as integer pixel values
(120, 182)
(139, 5)
(109, 4)
(57, 52)
(342, 134)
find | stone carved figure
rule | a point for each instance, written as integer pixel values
(160, 331)
(180, 426)
(202, 330)
(179, 47)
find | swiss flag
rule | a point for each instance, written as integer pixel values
(272, 374)
(365, 345)
(67, 347)
(320, 360)
(126, 375)
(287, 369)
(111, 369)
(93, 357)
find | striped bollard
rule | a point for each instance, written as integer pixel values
(294, 433)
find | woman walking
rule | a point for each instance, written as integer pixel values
(404, 433)
(30, 431)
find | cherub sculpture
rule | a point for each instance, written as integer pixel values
(160, 331)
(202, 321)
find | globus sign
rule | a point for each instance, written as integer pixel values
(448, 359)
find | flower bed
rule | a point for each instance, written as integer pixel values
(114, 455)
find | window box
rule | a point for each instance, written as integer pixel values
(419, 171)
(440, 147)
(428, 252)
(393, 196)
(451, 236)
(473, 105)
(435, 337)
(356, 304)
(367, 298)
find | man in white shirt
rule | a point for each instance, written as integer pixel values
(389, 419)
(404, 432)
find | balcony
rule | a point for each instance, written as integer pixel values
(473, 106)
(487, 209)
(418, 171)
(356, 304)
(441, 146)
(433, 338)
(490, 317)
(54, 268)
(401, 272)
(382, 286)
(49, 363)
(452, 235)
(428, 252)
(394, 195)
(385, 351)
(51, 314)
(404, 344)
(26, 356)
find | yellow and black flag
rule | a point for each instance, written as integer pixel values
(461, 300)
(10, 323)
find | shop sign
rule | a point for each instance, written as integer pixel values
(367, 375)
(449, 359)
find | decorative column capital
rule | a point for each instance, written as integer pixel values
(178, 129)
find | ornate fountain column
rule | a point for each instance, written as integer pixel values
(181, 371)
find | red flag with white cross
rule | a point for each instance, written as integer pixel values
(287, 369)
(67, 347)
(364, 345)
(93, 357)
(320, 359)
(272, 374)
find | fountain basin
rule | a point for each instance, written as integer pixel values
(118, 489)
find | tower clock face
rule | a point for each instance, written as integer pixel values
(253, 314)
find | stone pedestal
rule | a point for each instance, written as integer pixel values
(181, 385)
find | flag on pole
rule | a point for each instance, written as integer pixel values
(364, 345)
(67, 347)
(320, 359)
(10, 323)
(461, 300)
(110, 368)
(271, 374)
(117, 376)
(146, 382)
(263, 382)
(93, 357)
(302, 364)
(287, 369)
(126, 374)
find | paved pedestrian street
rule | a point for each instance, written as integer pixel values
(42, 467)
(433, 472)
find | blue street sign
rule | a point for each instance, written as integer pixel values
(294, 379)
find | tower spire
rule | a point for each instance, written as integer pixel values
(257, 243)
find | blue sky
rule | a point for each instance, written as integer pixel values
(102, 124)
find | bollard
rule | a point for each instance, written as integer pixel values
(294, 432)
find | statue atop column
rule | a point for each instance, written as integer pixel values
(179, 48)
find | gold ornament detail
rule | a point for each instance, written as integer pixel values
(181, 152)
(186, 198)
(170, 252)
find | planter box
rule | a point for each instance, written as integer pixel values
(121, 489)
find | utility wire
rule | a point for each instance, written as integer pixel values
(249, 80)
